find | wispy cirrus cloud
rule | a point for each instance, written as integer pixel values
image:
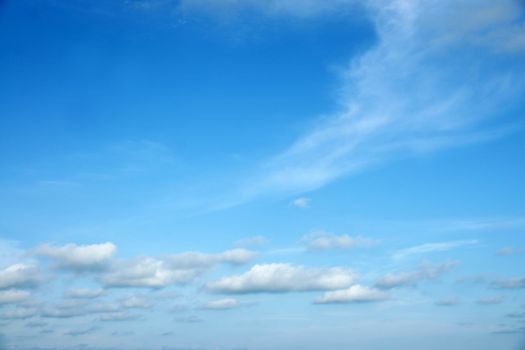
(418, 90)
(433, 247)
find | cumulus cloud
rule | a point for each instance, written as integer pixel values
(222, 304)
(412, 278)
(78, 257)
(84, 293)
(433, 247)
(13, 296)
(325, 240)
(353, 294)
(181, 268)
(19, 313)
(19, 276)
(281, 278)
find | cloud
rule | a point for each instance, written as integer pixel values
(433, 247)
(78, 332)
(412, 278)
(490, 300)
(84, 293)
(510, 283)
(19, 313)
(148, 272)
(118, 317)
(19, 276)
(282, 278)
(135, 302)
(301, 202)
(13, 296)
(428, 84)
(79, 257)
(222, 304)
(324, 241)
(353, 294)
(447, 302)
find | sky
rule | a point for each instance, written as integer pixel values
(262, 174)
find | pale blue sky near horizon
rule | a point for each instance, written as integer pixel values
(280, 174)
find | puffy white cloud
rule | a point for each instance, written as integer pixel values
(147, 272)
(12, 296)
(79, 257)
(411, 278)
(353, 294)
(19, 276)
(279, 278)
(325, 240)
(222, 304)
(84, 293)
(180, 268)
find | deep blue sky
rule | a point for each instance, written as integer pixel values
(279, 174)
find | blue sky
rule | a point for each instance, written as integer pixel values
(301, 174)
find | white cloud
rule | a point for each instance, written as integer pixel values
(222, 304)
(19, 276)
(324, 241)
(420, 89)
(411, 278)
(183, 268)
(19, 313)
(79, 257)
(135, 302)
(280, 278)
(353, 294)
(147, 272)
(433, 247)
(84, 293)
(301, 202)
(12, 296)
